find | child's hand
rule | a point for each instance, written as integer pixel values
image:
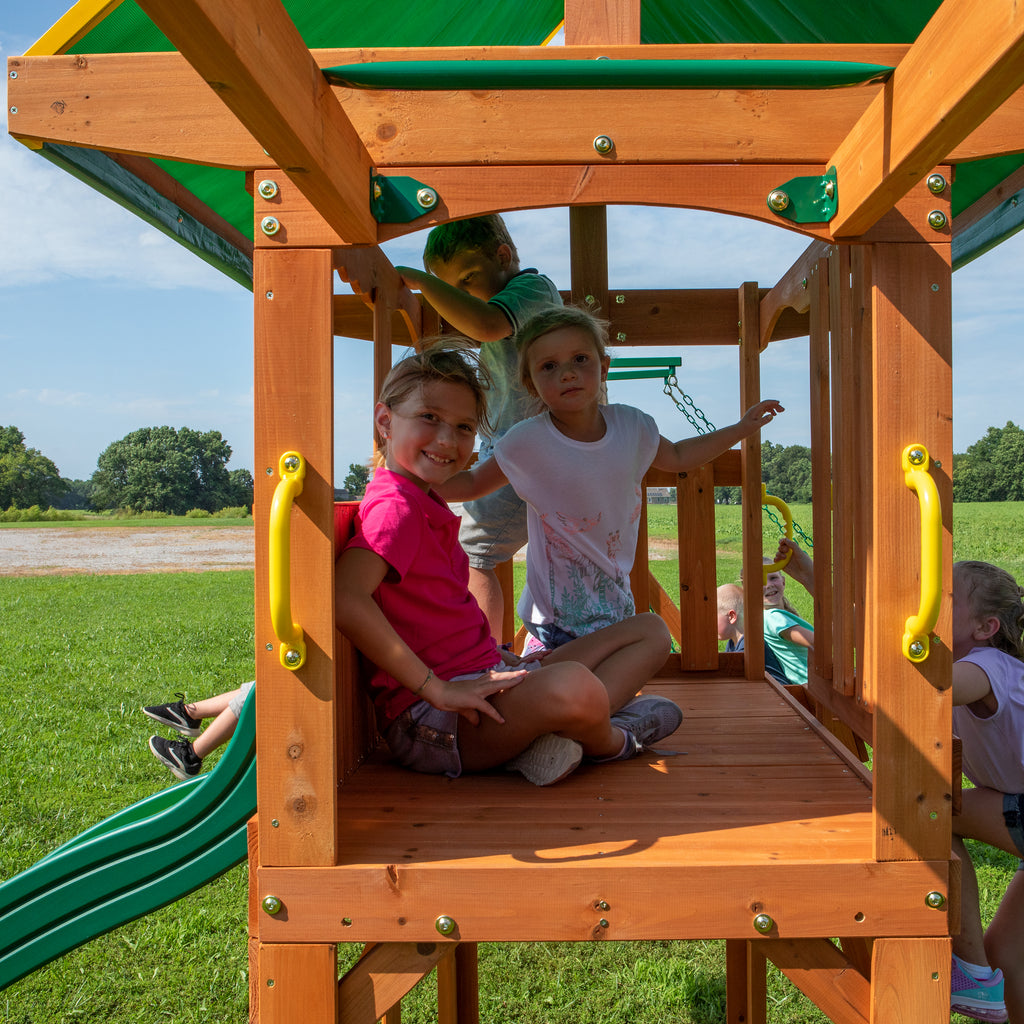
(760, 415)
(411, 277)
(509, 657)
(800, 566)
(469, 696)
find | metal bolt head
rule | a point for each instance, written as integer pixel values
(268, 188)
(291, 464)
(603, 144)
(272, 905)
(935, 900)
(937, 220)
(292, 657)
(377, 190)
(830, 188)
(603, 923)
(427, 198)
(274, 823)
(916, 456)
(446, 925)
(763, 924)
(14, 74)
(936, 183)
(603, 905)
(270, 225)
(916, 649)
(778, 200)
(620, 300)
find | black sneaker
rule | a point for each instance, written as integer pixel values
(177, 755)
(174, 716)
(645, 720)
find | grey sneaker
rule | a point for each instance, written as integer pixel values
(174, 716)
(177, 755)
(645, 720)
(549, 758)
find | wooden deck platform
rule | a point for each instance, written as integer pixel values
(759, 805)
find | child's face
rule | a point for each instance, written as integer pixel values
(430, 434)
(476, 273)
(966, 625)
(566, 370)
(775, 590)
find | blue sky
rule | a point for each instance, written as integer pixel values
(107, 326)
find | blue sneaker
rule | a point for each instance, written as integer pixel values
(976, 998)
(645, 720)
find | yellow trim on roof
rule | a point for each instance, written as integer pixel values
(71, 27)
(554, 32)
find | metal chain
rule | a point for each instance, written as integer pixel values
(671, 386)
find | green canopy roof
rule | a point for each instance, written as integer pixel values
(95, 26)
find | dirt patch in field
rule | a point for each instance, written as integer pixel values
(114, 549)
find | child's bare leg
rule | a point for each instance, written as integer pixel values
(218, 732)
(484, 586)
(623, 656)
(1004, 943)
(969, 945)
(566, 698)
(981, 818)
(211, 707)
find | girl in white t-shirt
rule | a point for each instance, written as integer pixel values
(579, 465)
(988, 716)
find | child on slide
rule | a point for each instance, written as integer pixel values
(579, 467)
(447, 699)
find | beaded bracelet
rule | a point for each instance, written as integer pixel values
(430, 673)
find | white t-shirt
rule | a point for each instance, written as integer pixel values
(584, 501)
(993, 748)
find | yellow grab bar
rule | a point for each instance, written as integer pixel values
(917, 632)
(292, 467)
(770, 499)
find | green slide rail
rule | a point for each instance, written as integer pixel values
(132, 863)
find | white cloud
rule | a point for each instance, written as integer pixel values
(64, 228)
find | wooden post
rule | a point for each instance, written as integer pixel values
(911, 318)
(750, 449)
(298, 982)
(297, 765)
(746, 984)
(910, 981)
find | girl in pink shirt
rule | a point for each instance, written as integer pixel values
(447, 698)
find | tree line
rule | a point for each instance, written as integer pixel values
(154, 469)
(160, 469)
(992, 469)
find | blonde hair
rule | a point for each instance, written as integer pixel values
(450, 359)
(554, 318)
(786, 603)
(730, 599)
(993, 592)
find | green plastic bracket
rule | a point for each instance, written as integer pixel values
(808, 200)
(399, 199)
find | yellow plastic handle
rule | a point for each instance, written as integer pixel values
(787, 516)
(292, 467)
(918, 628)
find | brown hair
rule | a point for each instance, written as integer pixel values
(993, 592)
(486, 234)
(451, 359)
(554, 318)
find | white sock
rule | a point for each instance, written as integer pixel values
(980, 972)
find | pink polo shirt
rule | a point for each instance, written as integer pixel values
(426, 597)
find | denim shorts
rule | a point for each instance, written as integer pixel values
(493, 527)
(545, 636)
(426, 740)
(1013, 815)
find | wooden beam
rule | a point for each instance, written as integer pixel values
(57, 101)
(967, 61)
(252, 56)
(383, 975)
(824, 974)
(791, 292)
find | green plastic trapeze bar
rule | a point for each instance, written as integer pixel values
(606, 74)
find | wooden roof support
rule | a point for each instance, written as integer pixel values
(252, 55)
(967, 61)
(56, 102)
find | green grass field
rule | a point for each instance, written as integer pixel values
(80, 655)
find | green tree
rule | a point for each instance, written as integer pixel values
(240, 488)
(787, 471)
(992, 469)
(27, 477)
(164, 470)
(357, 479)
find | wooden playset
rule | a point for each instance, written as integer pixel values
(765, 830)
